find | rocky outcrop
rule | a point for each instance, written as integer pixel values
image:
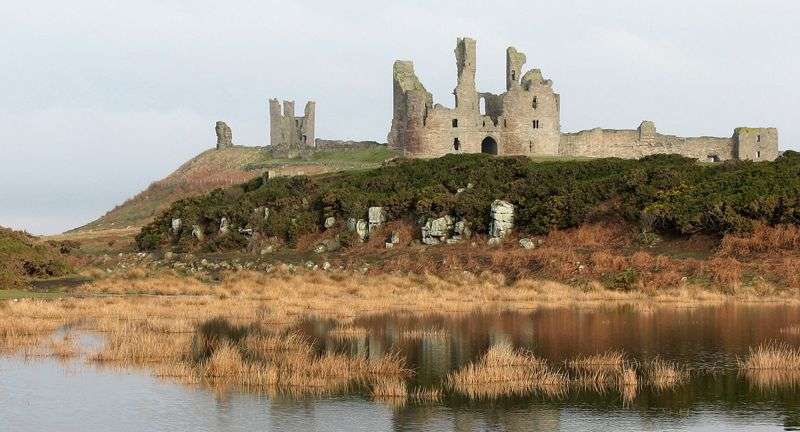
(176, 226)
(360, 227)
(393, 239)
(437, 230)
(224, 135)
(377, 217)
(502, 219)
(197, 232)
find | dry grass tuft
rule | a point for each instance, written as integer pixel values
(772, 356)
(662, 374)
(503, 371)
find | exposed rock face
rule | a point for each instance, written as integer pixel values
(461, 230)
(224, 135)
(360, 227)
(197, 232)
(502, 215)
(377, 217)
(176, 226)
(330, 222)
(393, 239)
(436, 230)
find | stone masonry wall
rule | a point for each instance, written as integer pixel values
(522, 121)
(290, 133)
(525, 120)
(644, 141)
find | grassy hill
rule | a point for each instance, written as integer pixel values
(214, 169)
(666, 193)
(24, 257)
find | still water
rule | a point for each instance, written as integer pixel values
(50, 395)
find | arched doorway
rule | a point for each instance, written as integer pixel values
(489, 145)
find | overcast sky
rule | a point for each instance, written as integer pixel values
(100, 98)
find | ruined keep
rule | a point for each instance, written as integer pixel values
(224, 135)
(287, 132)
(525, 120)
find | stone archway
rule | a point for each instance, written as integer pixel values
(489, 145)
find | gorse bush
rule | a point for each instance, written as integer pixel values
(664, 193)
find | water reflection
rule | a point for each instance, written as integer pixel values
(45, 394)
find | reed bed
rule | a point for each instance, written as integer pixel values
(503, 371)
(662, 374)
(772, 356)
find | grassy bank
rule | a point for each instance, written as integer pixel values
(24, 257)
(665, 194)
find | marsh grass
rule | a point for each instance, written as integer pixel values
(772, 356)
(503, 371)
(662, 374)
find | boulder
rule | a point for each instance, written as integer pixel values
(436, 230)
(527, 243)
(376, 217)
(176, 226)
(502, 219)
(224, 226)
(330, 221)
(362, 229)
(392, 240)
(462, 230)
(329, 245)
(197, 232)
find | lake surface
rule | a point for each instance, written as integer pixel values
(45, 394)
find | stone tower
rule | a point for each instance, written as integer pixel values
(288, 133)
(224, 135)
(522, 121)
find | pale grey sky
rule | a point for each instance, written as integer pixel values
(100, 97)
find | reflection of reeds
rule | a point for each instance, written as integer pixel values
(772, 355)
(503, 371)
(793, 330)
(417, 334)
(348, 332)
(772, 379)
(607, 361)
(63, 348)
(662, 374)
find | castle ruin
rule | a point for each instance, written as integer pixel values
(525, 120)
(224, 135)
(289, 133)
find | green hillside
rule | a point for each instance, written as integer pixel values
(665, 193)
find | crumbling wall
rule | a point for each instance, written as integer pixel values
(524, 120)
(224, 135)
(644, 141)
